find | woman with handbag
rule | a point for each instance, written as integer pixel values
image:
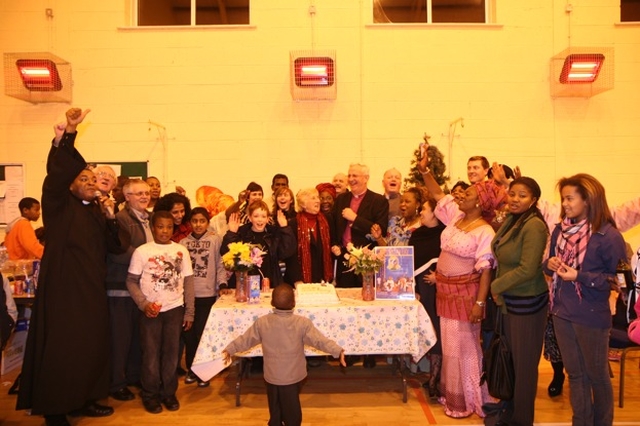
(585, 250)
(521, 292)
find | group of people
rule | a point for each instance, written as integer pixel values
(161, 262)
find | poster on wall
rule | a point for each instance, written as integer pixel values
(11, 191)
(394, 281)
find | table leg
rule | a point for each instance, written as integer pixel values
(400, 367)
(242, 372)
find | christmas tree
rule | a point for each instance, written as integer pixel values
(436, 164)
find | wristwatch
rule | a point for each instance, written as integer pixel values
(480, 303)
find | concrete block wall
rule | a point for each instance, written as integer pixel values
(222, 95)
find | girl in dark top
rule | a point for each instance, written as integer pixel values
(426, 247)
(284, 202)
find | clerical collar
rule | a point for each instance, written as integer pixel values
(360, 195)
(85, 202)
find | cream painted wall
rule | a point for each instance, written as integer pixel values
(222, 94)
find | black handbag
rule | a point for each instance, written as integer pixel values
(497, 364)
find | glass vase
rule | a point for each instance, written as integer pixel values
(242, 286)
(368, 287)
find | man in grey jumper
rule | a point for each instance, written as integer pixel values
(283, 336)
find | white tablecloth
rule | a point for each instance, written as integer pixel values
(378, 327)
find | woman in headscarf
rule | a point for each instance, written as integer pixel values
(328, 196)
(463, 276)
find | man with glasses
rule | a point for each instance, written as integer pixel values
(105, 179)
(123, 312)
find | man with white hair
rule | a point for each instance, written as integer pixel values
(340, 182)
(126, 355)
(105, 178)
(391, 181)
(355, 212)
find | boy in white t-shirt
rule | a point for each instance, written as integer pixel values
(160, 281)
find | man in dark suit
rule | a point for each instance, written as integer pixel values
(354, 214)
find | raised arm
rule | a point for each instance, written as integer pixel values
(429, 181)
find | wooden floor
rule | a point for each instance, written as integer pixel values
(331, 396)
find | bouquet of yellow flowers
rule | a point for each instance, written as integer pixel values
(243, 257)
(362, 259)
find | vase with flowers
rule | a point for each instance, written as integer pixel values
(365, 262)
(242, 258)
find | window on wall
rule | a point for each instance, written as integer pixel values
(430, 11)
(192, 12)
(629, 10)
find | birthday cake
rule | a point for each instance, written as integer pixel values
(316, 294)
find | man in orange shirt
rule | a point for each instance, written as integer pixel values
(21, 240)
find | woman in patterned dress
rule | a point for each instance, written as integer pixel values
(463, 277)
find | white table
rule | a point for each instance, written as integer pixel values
(389, 327)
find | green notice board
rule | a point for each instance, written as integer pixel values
(130, 168)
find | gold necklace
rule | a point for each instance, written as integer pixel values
(469, 224)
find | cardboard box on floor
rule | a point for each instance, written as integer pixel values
(14, 352)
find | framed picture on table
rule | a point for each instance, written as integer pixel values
(394, 280)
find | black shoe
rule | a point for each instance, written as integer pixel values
(351, 359)
(15, 388)
(190, 378)
(203, 383)
(137, 384)
(171, 403)
(434, 392)
(555, 387)
(369, 361)
(152, 405)
(57, 420)
(92, 409)
(123, 394)
(181, 371)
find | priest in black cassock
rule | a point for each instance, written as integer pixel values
(66, 364)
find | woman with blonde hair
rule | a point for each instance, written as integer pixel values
(586, 247)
